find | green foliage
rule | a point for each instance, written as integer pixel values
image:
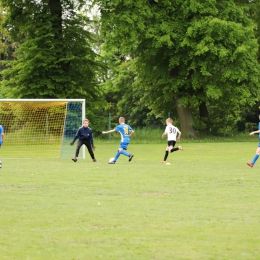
(4, 33)
(124, 99)
(54, 58)
(158, 54)
(187, 51)
(7, 47)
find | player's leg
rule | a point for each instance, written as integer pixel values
(124, 152)
(117, 154)
(0, 160)
(168, 148)
(130, 157)
(124, 148)
(255, 157)
(90, 151)
(175, 149)
(166, 154)
(80, 143)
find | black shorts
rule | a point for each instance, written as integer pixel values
(171, 143)
(84, 141)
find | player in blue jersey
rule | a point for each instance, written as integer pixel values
(126, 133)
(85, 136)
(251, 164)
(1, 139)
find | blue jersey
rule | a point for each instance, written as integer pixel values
(125, 131)
(1, 132)
(259, 129)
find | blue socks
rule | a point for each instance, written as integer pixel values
(121, 152)
(255, 158)
(117, 155)
(125, 153)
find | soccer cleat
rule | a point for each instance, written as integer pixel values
(74, 159)
(111, 162)
(163, 161)
(131, 157)
(94, 160)
(180, 148)
(250, 164)
(0, 164)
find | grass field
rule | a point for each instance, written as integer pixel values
(205, 205)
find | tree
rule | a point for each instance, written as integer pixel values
(125, 100)
(190, 57)
(4, 34)
(117, 84)
(54, 58)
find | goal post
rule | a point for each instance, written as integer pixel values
(40, 127)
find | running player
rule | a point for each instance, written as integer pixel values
(173, 132)
(251, 164)
(126, 133)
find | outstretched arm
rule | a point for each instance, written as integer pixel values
(255, 132)
(108, 132)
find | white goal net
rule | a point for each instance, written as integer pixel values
(40, 127)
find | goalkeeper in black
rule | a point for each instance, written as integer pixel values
(85, 136)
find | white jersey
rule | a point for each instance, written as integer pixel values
(171, 131)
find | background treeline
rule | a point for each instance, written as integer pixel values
(146, 60)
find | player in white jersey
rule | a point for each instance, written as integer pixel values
(173, 134)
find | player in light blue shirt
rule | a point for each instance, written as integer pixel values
(126, 133)
(251, 164)
(1, 139)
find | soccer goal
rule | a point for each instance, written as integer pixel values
(40, 127)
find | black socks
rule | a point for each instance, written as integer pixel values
(166, 155)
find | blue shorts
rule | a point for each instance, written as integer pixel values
(123, 145)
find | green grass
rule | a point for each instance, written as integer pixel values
(205, 205)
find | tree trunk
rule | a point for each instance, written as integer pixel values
(56, 14)
(186, 120)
